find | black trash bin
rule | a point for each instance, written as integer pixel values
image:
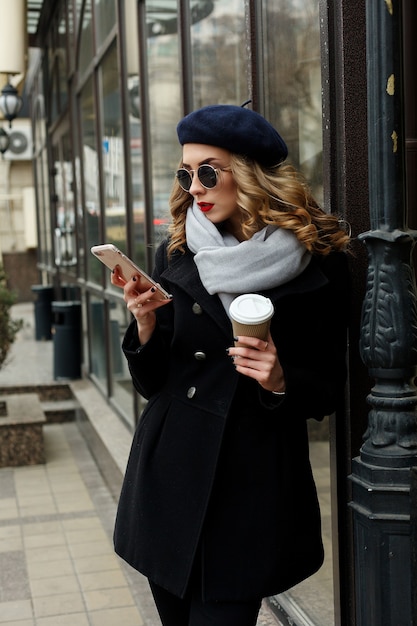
(67, 340)
(43, 311)
(70, 292)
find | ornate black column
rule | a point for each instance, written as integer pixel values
(381, 476)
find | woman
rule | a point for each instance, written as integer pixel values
(218, 507)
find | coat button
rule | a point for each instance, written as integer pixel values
(191, 392)
(196, 308)
(199, 355)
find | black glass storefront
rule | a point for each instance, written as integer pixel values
(113, 79)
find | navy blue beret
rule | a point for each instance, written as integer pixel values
(236, 129)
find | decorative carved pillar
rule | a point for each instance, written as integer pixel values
(381, 476)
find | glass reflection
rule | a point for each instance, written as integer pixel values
(133, 90)
(79, 217)
(65, 246)
(121, 381)
(291, 54)
(48, 256)
(42, 192)
(71, 16)
(293, 85)
(61, 53)
(113, 156)
(164, 94)
(86, 39)
(42, 207)
(98, 356)
(219, 53)
(90, 178)
(105, 18)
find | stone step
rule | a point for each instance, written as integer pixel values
(58, 411)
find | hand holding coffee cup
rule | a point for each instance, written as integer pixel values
(251, 316)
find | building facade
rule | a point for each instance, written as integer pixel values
(108, 82)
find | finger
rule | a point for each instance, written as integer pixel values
(250, 372)
(260, 365)
(142, 306)
(253, 342)
(117, 278)
(267, 356)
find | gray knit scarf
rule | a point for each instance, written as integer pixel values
(272, 257)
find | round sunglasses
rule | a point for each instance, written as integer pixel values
(207, 175)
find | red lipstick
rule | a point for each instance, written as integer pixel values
(205, 206)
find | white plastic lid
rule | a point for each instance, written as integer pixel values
(251, 308)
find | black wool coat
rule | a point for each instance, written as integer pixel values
(220, 468)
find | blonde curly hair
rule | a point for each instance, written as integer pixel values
(279, 196)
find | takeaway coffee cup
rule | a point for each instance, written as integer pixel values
(251, 315)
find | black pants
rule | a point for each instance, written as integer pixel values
(193, 611)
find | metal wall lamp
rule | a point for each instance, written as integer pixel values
(10, 103)
(4, 141)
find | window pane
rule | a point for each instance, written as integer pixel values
(61, 53)
(105, 18)
(219, 53)
(42, 187)
(113, 160)
(42, 193)
(133, 90)
(82, 250)
(314, 596)
(65, 246)
(164, 95)
(293, 82)
(137, 183)
(71, 13)
(98, 356)
(121, 380)
(86, 35)
(78, 7)
(48, 255)
(90, 179)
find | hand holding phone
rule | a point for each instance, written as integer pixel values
(112, 256)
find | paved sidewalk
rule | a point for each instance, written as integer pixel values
(57, 564)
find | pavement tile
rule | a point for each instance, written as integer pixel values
(15, 610)
(45, 540)
(86, 535)
(38, 570)
(102, 580)
(11, 543)
(52, 553)
(75, 619)
(8, 509)
(108, 598)
(81, 523)
(14, 584)
(128, 616)
(58, 604)
(96, 563)
(54, 585)
(41, 528)
(91, 548)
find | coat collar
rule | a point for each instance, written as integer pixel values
(311, 279)
(182, 271)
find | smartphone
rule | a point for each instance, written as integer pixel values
(112, 256)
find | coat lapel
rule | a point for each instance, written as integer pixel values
(182, 271)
